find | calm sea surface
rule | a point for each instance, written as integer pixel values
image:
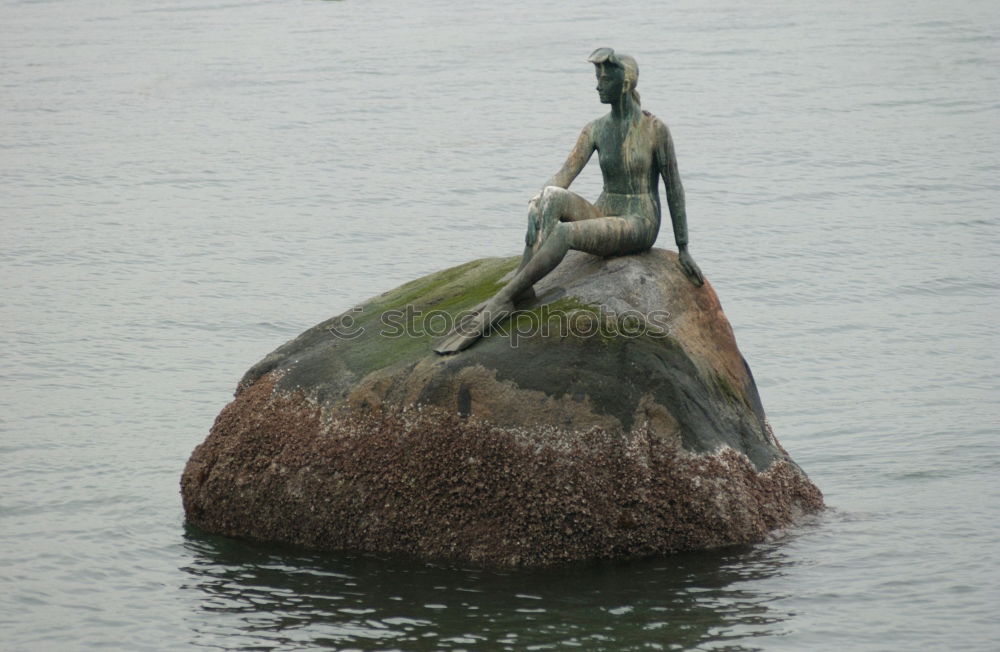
(186, 185)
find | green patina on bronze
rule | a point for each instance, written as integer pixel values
(635, 151)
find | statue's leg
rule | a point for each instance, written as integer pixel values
(556, 211)
(613, 235)
(529, 294)
(602, 236)
(553, 206)
(551, 252)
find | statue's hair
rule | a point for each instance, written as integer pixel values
(631, 68)
(633, 139)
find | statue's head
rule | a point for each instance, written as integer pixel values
(617, 74)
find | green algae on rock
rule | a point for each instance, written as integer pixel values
(613, 417)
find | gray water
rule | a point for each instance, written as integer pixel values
(184, 186)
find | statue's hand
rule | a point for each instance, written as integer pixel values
(533, 226)
(690, 268)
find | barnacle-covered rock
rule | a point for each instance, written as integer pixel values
(611, 417)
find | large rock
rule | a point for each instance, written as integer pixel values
(631, 427)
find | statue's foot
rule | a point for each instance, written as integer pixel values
(469, 330)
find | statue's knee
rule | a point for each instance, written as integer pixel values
(552, 193)
(552, 199)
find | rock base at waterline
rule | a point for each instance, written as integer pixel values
(573, 444)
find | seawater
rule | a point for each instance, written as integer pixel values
(185, 185)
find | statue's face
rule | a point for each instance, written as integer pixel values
(610, 82)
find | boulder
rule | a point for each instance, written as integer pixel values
(611, 417)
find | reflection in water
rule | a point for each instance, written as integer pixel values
(261, 597)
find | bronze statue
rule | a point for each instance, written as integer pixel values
(634, 149)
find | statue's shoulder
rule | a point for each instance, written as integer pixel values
(658, 126)
(593, 129)
(653, 120)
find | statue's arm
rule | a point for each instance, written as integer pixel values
(667, 159)
(577, 159)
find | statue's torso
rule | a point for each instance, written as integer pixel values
(628, 166)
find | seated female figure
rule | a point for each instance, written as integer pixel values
(635, 150)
